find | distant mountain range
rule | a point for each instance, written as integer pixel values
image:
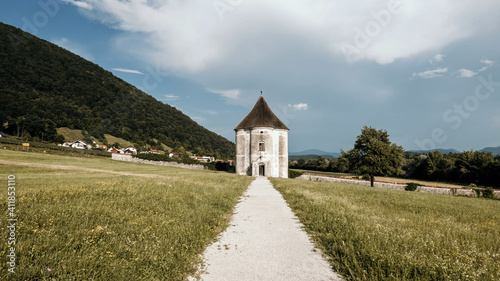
(314, 153)
(494, 150)
(442, 150)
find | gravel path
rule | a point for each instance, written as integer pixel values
(265, 241)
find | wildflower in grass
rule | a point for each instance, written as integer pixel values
(48, 269)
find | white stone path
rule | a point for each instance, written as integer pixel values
(264, 241)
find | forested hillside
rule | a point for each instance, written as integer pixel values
(43, 87)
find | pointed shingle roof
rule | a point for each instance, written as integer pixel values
(261, 116)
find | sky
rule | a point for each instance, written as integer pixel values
(428, 72)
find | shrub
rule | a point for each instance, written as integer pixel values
(293, 174)
(224, 166)
(210, 166)
(412, 186)
(488, 193)
(365, 177)
(477, 191)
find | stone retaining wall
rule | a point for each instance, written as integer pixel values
(396, 186)
(129, 158)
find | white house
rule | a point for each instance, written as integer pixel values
(262, 143)
(80, 145)
(130, 150)
(66, 144)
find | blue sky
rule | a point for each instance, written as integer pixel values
(426, 71)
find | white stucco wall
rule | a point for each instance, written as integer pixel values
(274, 158)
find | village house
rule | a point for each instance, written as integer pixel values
(203, 158)
(207, 159)
(101, 146)
(76, 144)
(174, 155)
(113, 150)
(130, 150)
(153, 151)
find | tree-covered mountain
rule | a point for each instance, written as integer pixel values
(43, 87)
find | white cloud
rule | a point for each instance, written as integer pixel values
(170, 97)
(133, 71)
(80, 4)
(487, 62)
(199, 119)
(466, 73)
(230, 94)
(431, 73)
(73, 47)
(189, 35)
(437, 58)
(299, 106)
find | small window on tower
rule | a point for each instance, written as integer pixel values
(262, 146)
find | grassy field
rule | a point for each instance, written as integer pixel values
(81, 225)
(377, 234)
(112, 139)
(383, 179)
(71, 135)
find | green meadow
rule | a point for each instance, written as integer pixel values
(96, 225)
(101, 219)
(378, 234)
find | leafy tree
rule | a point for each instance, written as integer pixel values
(343, 164)
(472, 166)
(59, 139)
(323, 163)
(437, 166)
(374, 154)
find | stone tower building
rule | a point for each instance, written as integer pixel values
(262, 143)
